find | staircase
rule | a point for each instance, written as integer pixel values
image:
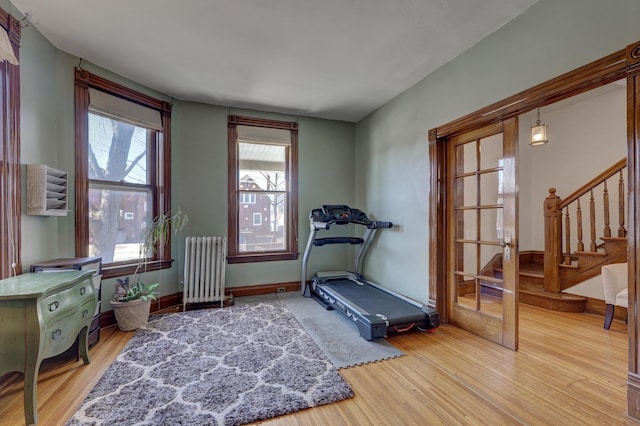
(532, 290)
(544, 274)
(531, 281)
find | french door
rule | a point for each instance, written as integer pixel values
(482, 232)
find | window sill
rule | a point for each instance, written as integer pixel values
(115, 271)
(261, 257)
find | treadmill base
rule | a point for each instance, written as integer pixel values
(372, 322)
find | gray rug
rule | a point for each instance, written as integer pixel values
(226, 366)
(337, 336)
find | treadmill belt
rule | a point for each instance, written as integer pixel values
(374, 301)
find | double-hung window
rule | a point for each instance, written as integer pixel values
(122, 179)
(263, 196)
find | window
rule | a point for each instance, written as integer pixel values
(10, 209)
(263, 169)
(246, 198)
(122, 179)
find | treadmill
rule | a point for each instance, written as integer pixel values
(375, 310)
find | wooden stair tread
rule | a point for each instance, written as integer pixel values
(557, 296)
(528, 270)
(572, 266)
(532, 274)
(620, 239)
(591, 253)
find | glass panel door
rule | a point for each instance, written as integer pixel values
(482, 244)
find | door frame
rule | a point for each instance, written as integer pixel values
(624, 63)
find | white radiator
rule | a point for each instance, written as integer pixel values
(204, 267)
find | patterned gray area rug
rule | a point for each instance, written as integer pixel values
(226, 366)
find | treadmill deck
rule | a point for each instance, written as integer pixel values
(370, 300)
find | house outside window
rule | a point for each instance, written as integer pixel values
(263, 187)
(122, 156)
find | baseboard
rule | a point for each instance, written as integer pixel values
(598, 307)
(254, 290)
(107, 318)
(633, 395)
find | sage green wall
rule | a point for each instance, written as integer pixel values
(325, 176)
(199, 168)
(39, 139)
(392, 179)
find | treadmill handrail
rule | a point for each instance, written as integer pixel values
(319, 242)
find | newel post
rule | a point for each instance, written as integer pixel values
(552, 241)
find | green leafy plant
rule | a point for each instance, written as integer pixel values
(155, 235)
(126, 292)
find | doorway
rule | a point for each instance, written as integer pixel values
(619, 65)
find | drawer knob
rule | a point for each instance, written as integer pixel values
(85, 313)
(56, 334)
(83, 290)
(53, 306)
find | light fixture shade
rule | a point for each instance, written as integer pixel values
(538, 134)
(6, 51)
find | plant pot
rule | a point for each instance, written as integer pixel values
(131, 315)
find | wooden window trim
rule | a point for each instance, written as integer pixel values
(161, 175)
(235, 256)
(10, 183)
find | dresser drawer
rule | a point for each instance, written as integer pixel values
(59, 304)
(60, 334)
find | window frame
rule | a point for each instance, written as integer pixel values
(259, 217)
(160, 169)
(234, 201)
(10, 181)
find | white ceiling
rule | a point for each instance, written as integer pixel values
(336, 59)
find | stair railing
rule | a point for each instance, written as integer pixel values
(558, 236)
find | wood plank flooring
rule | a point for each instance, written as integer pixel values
(568, 371)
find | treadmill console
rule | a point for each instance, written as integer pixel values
(339, 214)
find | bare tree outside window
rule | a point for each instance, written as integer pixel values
(118, 188)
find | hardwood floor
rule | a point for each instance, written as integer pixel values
(568, 371)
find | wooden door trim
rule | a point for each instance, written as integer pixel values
(588, 77)
(633, 229)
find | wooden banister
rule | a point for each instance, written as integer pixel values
(557, 254)
(616, 168)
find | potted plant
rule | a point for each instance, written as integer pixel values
(131, 303)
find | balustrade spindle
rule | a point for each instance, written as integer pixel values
(621, 194)
(579, 226)
(567, 237)
(592, 219)
(605, 200)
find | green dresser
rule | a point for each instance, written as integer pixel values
(41, 314)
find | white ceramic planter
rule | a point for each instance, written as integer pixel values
(131, 315)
